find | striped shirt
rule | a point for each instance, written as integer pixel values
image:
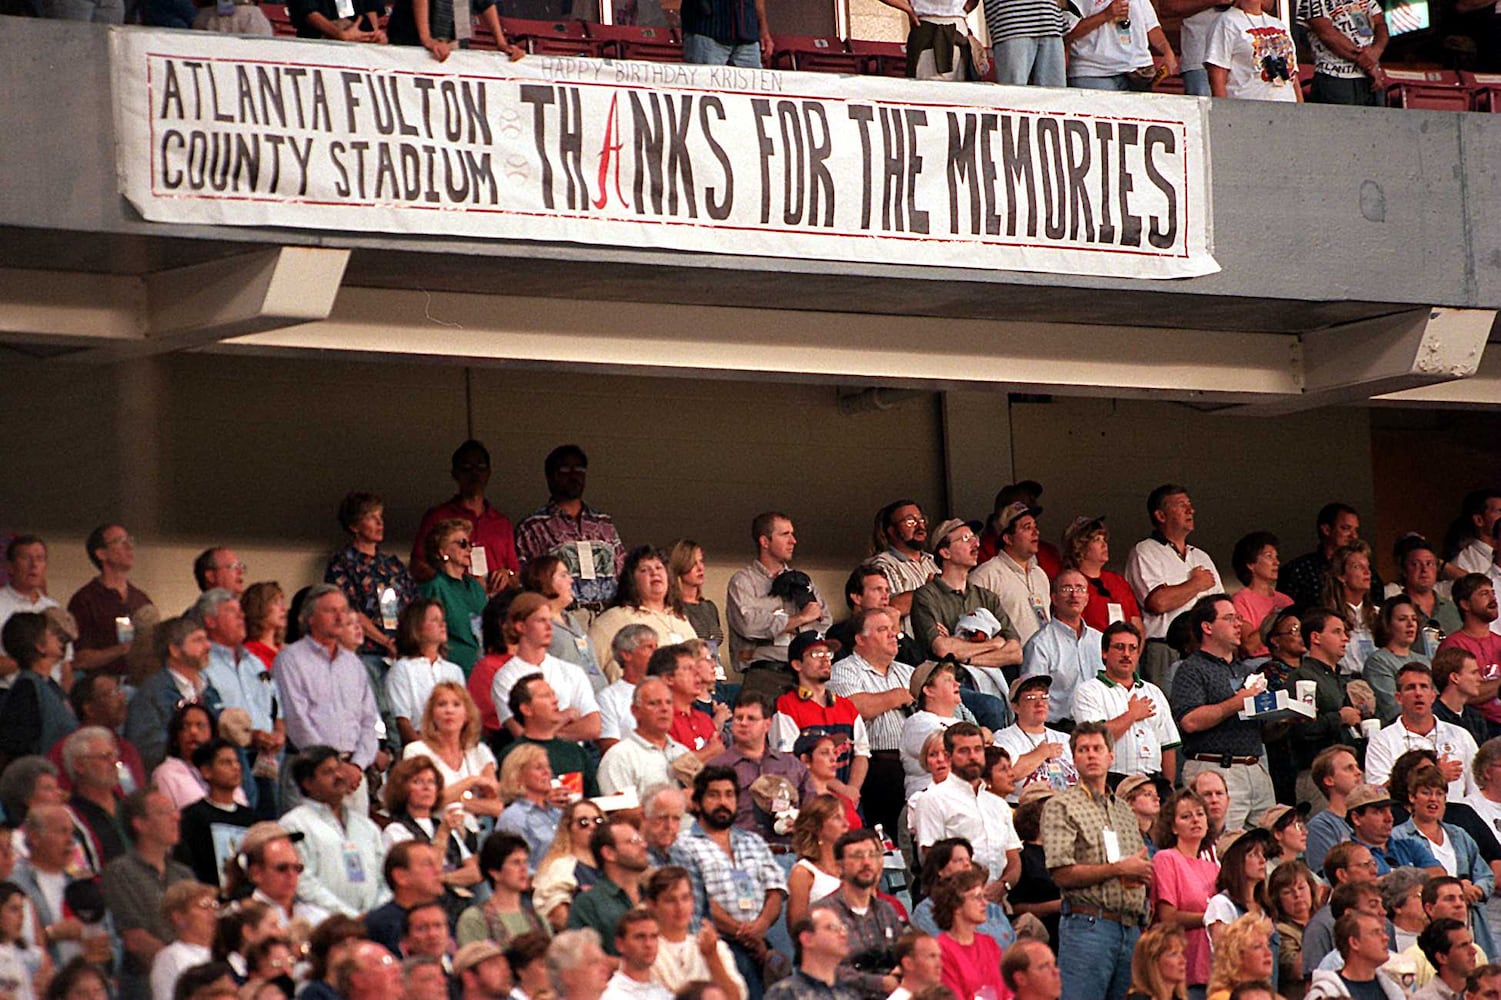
(854, 675)
(1008, 19)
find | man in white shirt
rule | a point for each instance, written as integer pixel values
(636, 942)
(26, 564)
(1135, 711)
(1417, 728)
(960, 806)
(632, 648)
(1167, 574)
(341, 849)
(644, 757)
(1065, 649)
(1013, 574)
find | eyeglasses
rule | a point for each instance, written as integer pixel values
(463, 543)
(208, 903)
(585, 822)
(238, 567)
(912, 520)
(1032, 698)
(818, 654)
(1073, 588)
(287, 867)
(862, 855)
(1369, 864)
(1123, 647)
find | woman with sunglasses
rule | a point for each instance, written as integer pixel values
(451, 552)
(568, 867)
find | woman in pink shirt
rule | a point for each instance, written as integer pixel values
(1256, 565)
(1182, 881)
(971, 961)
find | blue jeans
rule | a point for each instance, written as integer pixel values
(1196, 82)
(1037, 61)
(705, 51)
(1116, 82)
(988, 710)
(1094, 956)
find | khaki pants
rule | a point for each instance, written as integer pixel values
(1250, 790)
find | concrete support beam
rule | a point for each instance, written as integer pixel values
(203, 303)
(1481, 391)
(70, 305)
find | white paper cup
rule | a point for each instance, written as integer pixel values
(1306, 691)
(1370, 727)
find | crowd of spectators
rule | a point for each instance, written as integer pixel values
(533, 762)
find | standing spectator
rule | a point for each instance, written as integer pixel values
(1348, 39)
(35, 714)
(1302, 578)
(1417, 728)
(191, 727)
(93, 766)
(497, 653)
(1293, 893)
(568, 866)
(1026, 39)
(635, 939)
(1086, 548)
(1199, 20)
(1289, 832)
(1241, 882)
(1468, 542)
(450, 740)
(375, 583)
(819, 753)
(1167, 574)
(134, 884)
(1097, 857)
(939, 605)
(971, 960)
(899, 547)
(684, 957)
(1396, 634)
(481, 971)
(822, 943)
(1158, 968)
(812, 706)
(1360, 938)
(1335, 773)
(1335, 719)
(1255, 560)
(645, 757)
(685, 564)
(220, 568)
(1065, 648)
(939, 45)
(26, 589)
(949, 857)
(413, 793)
(105, 607)
(641, 598)
(326, 690)
(535, 705)
(45, 876)
(1348, 589)
(935, 686)
(191, 910)
(960, 806)
(183, 646)
(208, 825)
(240, 677)
(736, 882)
(1140, 793)
(866, 589)
(1137, 713)
(1370, 816)
(879, 686)
(1031, 973)
(620, 855)
(1013, 574)
(819, 825)
(632, 648)
(722, 33)
(1038, 753)
(269, 869)
(529, 632)
(1209, 692)
(456, 589)
(422, 644)
(677, 667)
(1450, 949)
(662, 808)
(341, 848)
(489, 529)
(919, 964)
(1453, 848)
(566, 527)
(767, 607)
(1184, 880)
(1456, 676)
(265, 608)
(1418, 563)
(1243, 954)
(872, 923)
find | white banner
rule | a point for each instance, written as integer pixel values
(255, 132)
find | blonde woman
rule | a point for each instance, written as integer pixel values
(820, 822)
(568, 866)
(1159, 965)
(1242, 954)
(533, 805)
(450, 735)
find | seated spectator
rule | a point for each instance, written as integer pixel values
(422, 645)
(819, 752)
(1289, 832)
(210, 824)
(182, 647)
(35, 715)
(632, 648)
(133, 885)
(939, 604)
(568, 866)
(105, 607)
(1396, 636)
(635, 940)
(1241, 882)
(1064, 648)
(449, 737)
(533, 804)
(1361, 941)
(641, 598)
(529, 633)
(191, 909)
(1137, 712)
(971, 960)
(1158, 964)
(1438, 614)
(1292, 894)
(1349, 591)
(1336, 773)
(1351, 872)
(191, 727)
(1184, 880)
(1447, 946)
(765, 615)
(99, 700)
(1039, 753)
(949, 857)
(92, 763)
(455, 587)
(935, 690)
(341, 848)
(750, 756)
(549, 576)
(1086, 548)
(412, 873)
(819, 825)
(1256, 565)
(868, 589)
(812, 706)
(489, 529)
(1370, 816)
(508, 913)
(265, 608)
(685, 567)
(1348, 41)
(1456, 678)
(1242, 954)
(414, 792)
(619, 853)
(677, 667)
(644, 758)
(1250, 56)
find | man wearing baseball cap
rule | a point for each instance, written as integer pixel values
(1370, 816)
(811, 705)
(1038, 752)
(939, 604)
(482, 971)
(1013, 574)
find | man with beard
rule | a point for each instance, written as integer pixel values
(736, 882)
(900, 542)
(1476, 597)
(960, 806)
(872, 923)
(584, 538)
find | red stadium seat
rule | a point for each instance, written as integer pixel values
(813, 54)
(1427, 89)
(550, 38)
(1485, 91)
(281, 21)
(629, 41)
(881, 58)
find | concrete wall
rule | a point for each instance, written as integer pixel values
(195, 450)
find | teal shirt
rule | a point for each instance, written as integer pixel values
(463, 602)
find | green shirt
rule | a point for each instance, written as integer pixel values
(463, 602)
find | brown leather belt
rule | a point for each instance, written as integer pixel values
(1124, 919)
(1223, 759)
